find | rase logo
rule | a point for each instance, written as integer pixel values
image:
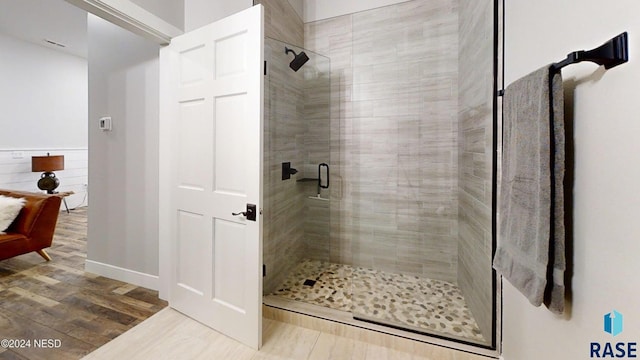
(613, 323)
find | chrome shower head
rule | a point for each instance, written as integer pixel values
(298, 60)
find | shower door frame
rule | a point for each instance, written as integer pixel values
(498, 83)
(494, 348)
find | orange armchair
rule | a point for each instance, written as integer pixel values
(33, 229)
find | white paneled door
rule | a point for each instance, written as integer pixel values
(215, 117)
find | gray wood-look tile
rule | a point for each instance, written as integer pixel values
(393, 136)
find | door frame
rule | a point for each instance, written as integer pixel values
(132, 17)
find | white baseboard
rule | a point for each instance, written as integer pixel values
(122, 274)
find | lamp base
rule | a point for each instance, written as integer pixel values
(49, 182)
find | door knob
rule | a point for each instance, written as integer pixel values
(250, 213)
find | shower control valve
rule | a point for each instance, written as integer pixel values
(287, 171)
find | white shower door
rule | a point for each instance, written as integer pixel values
(215, 112)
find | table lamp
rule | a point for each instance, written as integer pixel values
(47, 164)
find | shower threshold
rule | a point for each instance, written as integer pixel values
(371, 298)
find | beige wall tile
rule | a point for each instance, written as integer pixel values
(394, 135)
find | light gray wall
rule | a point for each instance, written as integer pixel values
(475, 132)
(43, 97)
(123, 217)
(606, 202)
(394, 136)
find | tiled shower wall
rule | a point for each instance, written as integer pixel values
(394, 149)
(475, 158)
(317, 119)
(281, 22)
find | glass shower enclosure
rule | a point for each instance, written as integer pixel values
(366, 182)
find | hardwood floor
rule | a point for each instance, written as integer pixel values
(77, 312)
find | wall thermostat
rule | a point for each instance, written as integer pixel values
(104, 123)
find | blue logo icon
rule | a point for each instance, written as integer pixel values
(613, 323)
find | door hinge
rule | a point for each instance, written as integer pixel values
(264, 270)
(265, 67)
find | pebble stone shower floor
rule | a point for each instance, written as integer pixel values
(413, 302)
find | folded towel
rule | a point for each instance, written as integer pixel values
(554, 294)
(530, 253)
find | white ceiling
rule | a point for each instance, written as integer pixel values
(37, 20)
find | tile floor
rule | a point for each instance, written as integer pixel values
(171, 335)
(411, 302)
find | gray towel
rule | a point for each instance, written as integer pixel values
(530, 253)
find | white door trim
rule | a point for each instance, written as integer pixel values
(132, 17)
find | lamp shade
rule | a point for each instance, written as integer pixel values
(47, 163)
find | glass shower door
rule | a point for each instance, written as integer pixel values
(404, 150)
(297, 173)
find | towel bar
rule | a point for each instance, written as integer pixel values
(610, 54)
